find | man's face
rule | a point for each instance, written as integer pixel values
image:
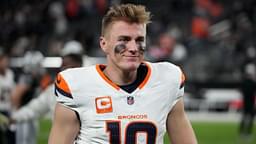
(124, 45)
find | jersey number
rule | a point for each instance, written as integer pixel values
(132, 129)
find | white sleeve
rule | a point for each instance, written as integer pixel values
(37, 107)
(181, 79)
(63, 92)
(179, 82)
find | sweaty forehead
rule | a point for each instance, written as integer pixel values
(121, 28)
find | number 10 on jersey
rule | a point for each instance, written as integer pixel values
(132, 130)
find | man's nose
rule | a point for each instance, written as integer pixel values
(133, 46)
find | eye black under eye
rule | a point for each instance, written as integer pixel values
(119, 48)
(141, 47)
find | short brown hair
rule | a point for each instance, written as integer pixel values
(125, 12)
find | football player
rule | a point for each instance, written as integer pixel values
(127, 100)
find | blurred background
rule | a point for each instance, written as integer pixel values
(213, 41)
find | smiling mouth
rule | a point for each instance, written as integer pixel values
(132, 56)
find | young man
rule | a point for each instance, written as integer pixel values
(126, 101)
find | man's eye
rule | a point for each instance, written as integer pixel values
(140, 41)
(123, 40)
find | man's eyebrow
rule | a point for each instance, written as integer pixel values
(124, 37)
(140, 38)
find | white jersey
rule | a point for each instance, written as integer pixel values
(6, 85)
(110, 115)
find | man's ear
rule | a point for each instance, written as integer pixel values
(103, 44)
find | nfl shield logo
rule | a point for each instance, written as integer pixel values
(130, 100)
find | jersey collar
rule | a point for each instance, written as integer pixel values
(105, 78)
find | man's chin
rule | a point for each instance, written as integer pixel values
(131, 66)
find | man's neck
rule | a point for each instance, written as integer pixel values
(120, 77)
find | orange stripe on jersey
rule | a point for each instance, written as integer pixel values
(183, 78)
(146, 78)
(105, 78)
(61, 84)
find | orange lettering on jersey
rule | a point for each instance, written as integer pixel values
(103, 104)
(136, 116)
